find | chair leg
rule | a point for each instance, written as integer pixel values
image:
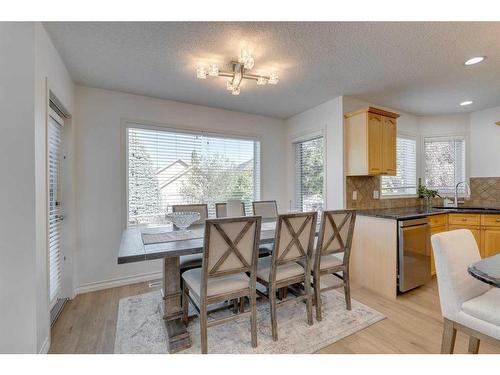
(347, 290)
(317, 298)
(253, 317)
(308, 293)
(242, 305)
(185, 304)
(473, 345)
(449, 335)
(274, 323)
(235, 306)
(203, 328)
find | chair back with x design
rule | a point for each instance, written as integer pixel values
(336, 232)
(231, 246)
(294, 238)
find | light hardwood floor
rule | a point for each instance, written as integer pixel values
(413, 324)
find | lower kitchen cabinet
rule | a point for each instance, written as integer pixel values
(490, 241)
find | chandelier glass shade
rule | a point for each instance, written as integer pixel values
(239, 72)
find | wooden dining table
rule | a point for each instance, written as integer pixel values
(139, 244)
(487, 270)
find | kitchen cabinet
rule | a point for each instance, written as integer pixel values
(438, 224)
(370, 140)
(490, 235)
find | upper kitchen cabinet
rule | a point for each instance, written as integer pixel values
(371, 142)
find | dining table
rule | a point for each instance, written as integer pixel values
(487, 270)
(148, 242)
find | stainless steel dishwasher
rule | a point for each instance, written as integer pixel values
(414, 257)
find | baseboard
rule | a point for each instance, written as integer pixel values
(121, 281)
(45, 346)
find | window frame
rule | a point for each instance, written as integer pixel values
(448, 137)
(416, 138)
(141, 124)
(304, 137)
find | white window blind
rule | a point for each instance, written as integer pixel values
(405, 181)
(309, 173)
(168, 167)
(444, 163)
(55, 209)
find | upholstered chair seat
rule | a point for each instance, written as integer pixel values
(283, 271)
(485, 307)
(327, 261)
(216, 285)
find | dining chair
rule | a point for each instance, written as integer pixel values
(293, 243)
(233, 208)
(332, 253)
(228, 272)
(193, 260)
(467, 304)
(266, 209)
(269, 211)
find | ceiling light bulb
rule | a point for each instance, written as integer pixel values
(236, 91)
(475, 60)
(467, 102)
(213, 70)
(261, 81)
(273, 79)
(246, 59)
(229, 85)
(201, 72)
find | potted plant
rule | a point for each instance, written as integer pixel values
(428, 194)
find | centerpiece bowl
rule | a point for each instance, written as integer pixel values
(183, 220)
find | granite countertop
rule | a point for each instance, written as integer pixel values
(417, 212)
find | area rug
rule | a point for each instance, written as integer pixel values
(140, 328)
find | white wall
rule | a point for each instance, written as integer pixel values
(485, 143)
(17, 190)
(51, 74)
(100, 151)
(444, 125)
(28, 59)
(328, 119)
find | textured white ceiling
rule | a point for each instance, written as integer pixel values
(414, 67)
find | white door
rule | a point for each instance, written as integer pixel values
(54, 205)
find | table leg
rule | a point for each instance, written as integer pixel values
(178, 336)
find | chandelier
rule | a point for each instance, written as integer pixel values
(238, 73)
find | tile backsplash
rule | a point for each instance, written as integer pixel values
(484, 191)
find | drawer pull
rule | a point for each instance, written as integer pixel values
(497, 220)
(464, 219)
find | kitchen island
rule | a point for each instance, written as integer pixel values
(374, 256)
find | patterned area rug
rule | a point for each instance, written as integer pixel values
(140, 328)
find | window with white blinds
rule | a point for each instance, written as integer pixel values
(444, 163)
(309, 174)
(405, 181)
(168, 167)
(55, 208)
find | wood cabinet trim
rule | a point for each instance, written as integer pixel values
(373, 110)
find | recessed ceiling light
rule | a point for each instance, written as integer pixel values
(475, 60)
(467, 102)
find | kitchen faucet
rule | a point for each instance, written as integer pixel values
(456, 191)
